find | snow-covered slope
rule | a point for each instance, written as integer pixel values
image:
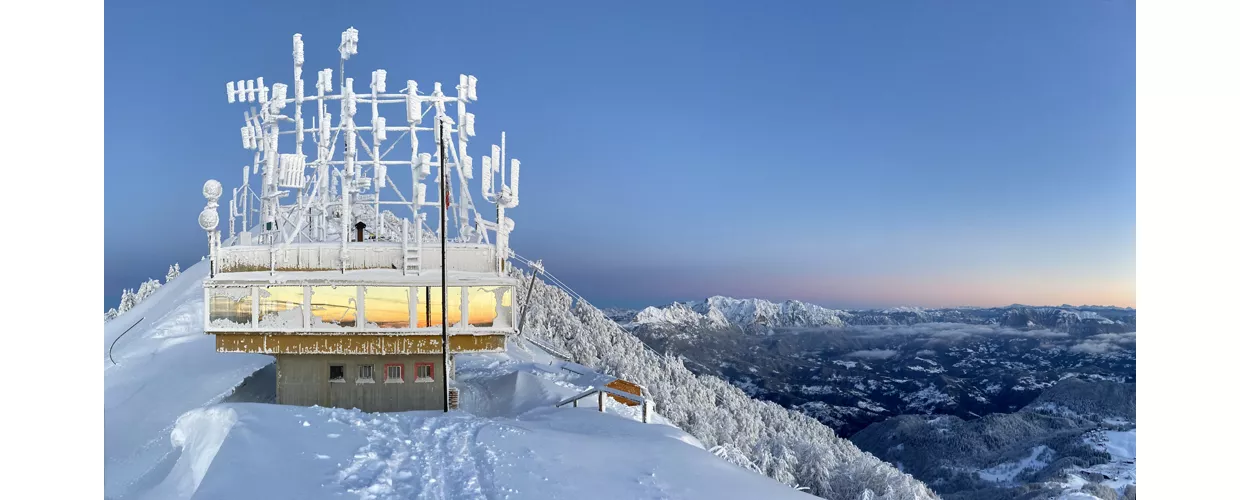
(165, 366)
(490, 449)
(788, 446)
(171, 431)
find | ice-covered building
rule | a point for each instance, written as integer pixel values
(337, 262)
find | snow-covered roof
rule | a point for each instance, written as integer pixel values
(430, 277)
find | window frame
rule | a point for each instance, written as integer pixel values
(387, 379)
(365, 380)
(344, 373)
(417, 366)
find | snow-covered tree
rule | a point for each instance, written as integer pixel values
(147, 288)
(788, 446)
(128, 300)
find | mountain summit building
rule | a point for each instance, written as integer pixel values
(337, 264)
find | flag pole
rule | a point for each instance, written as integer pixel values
(443, 255)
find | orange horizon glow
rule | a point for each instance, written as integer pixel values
(933, 292)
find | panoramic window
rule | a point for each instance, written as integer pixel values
(424, 372)
(333, 307)
(490, 306)
(387, 306)
(394, 373)
(429, 310)
(335, 373)
(365, 374)
(281, 307)
(231, 307)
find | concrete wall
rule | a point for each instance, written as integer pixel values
(303, 380)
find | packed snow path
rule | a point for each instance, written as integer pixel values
(174, 431)
(248, 450)
(427, 457)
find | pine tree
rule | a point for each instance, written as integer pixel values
(128, 300)
(147, 288)
(173, 271)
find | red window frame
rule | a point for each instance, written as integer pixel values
(386, 373)
(417, 366)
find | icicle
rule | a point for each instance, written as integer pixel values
(469, 124)
(473, 88)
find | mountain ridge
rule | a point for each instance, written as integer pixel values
(756, 315)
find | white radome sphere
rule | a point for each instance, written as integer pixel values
(208, 219)
(212, 190)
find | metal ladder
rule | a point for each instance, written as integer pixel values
(412, 250)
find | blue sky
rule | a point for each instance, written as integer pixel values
(846, 153)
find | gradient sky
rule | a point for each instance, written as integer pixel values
(851, 154)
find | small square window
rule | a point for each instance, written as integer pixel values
(394, 373)
(365, 374)
(335, 373)
(424, 372)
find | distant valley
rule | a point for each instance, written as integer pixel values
(899, 372)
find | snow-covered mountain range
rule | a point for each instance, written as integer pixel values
(747, 314)
(763, 316)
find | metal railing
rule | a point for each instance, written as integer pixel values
(644, 400)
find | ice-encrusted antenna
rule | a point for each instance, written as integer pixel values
(348, 43)
(345, 175)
